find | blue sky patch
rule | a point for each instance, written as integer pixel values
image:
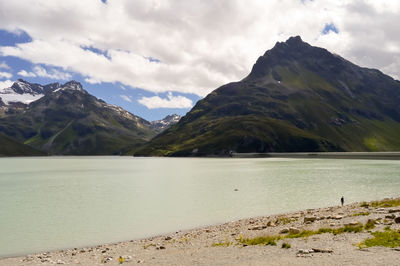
(152, 59)
(11, 39)
(96, 50)
(330, 27)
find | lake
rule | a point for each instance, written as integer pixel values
(64, 202)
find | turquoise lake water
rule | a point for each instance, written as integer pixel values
(65, 202)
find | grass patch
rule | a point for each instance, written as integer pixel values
(261, 240)
(386, 203)
(304, 233)
(283, 220)
(222, 244)
(369, 225)
(387, 238)
(361, 214)
(346, 229)
(364, 204)
(271, 240)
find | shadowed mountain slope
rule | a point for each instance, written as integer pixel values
(68, 120)
(297, 98)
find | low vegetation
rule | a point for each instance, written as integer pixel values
(369, 225)
(261, 240)
(361, 214)
(346, 229)
(388, 238)
(386, 203)
(271, 240)
(222, 244)
(283, 220)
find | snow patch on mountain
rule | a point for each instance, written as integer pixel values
(166, 122)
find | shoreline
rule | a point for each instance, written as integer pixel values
(323, 155)
(224, 244)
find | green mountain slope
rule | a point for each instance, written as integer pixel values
(9, 147)
(297, 98)
(70, 121)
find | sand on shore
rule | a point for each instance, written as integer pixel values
(222, 244)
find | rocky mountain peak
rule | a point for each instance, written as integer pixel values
(166, 122)
(291, 52)
(73, 85)
(21, 86)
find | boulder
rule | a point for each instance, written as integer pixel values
(320, 250)
(397, 220)
(309, 219)
(352, 223)
(294, 230)
(390, 216)
(284, 231)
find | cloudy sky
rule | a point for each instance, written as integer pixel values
(157, 57)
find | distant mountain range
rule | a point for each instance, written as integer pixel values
(66, 119)
(297, 98)
(166, 122)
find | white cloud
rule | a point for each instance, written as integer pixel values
(200, 44)
(5, 75)
(39, 71)
(5, 84)
(52, 74)
(3, 65)
(26, 74)
(170, 102)
(126, 98)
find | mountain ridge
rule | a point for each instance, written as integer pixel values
(296, 98)
(67, 120)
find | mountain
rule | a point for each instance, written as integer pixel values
(66, 119)
(166, 122)
(297, 98)
(10, 147)
(23, 92)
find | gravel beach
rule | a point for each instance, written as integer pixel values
(230, 243)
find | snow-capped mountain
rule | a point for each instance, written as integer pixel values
(166, 122)
(24, 92)
(66, 119)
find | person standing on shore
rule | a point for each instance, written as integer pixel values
(342, 200)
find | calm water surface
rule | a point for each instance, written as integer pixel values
(64, 202)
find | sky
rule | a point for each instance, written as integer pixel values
(159, 57)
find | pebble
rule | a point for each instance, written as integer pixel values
(337, 217)
(397, 220)
(394, 210)
(168, 238)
